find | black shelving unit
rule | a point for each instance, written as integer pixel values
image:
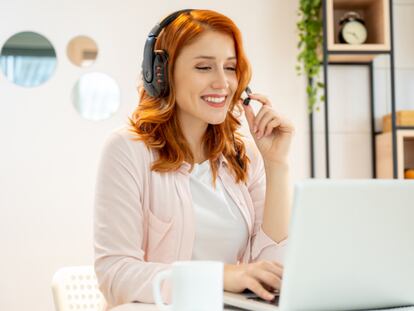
(325, 64)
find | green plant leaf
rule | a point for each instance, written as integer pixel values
(310, 41)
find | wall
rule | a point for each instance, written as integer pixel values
(49, 153)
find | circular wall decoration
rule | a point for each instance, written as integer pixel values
(96, 96)
(28, 59)
(82, 51)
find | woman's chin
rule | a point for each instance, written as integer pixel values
(216, 121)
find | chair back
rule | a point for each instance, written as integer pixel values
(76, 288)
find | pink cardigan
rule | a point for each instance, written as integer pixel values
(143, 220)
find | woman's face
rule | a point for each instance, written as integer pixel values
(205, 78)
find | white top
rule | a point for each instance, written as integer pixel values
(220, 230)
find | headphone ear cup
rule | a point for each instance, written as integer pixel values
(160, 74)
(155, 62)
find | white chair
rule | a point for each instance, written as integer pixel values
(76, 288)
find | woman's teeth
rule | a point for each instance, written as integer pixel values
(215, 99)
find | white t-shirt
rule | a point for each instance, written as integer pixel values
(221, 232)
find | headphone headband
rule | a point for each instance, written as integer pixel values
(155, 31)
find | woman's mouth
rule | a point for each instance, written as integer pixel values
(215, 101)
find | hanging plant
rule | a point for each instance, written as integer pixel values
(310, 46)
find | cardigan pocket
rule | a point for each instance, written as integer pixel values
(159, 238)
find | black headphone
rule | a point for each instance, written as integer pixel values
(155, 63)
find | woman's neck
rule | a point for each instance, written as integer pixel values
(193, 130)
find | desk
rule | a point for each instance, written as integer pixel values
(151, 307)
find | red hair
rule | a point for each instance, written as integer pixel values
(155, 121)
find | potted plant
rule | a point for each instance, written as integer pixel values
(310, 45)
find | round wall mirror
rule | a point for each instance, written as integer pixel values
(82, 51)
(28, 59)
(96, 96)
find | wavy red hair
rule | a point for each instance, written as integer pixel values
(155, 121)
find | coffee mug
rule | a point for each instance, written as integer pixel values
(196, 285)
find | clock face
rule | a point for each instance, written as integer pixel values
(354, 32)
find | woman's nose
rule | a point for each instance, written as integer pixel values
(220, 80)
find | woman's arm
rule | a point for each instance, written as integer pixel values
(273, 134)
(123, 274)
(264, 269)
(269, 189)
(278, 196)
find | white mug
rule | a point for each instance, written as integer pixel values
(196, 285)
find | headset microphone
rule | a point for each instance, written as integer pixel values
(246, 101)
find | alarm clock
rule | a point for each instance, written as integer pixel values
(352, 29)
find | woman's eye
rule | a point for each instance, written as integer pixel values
(208, 68)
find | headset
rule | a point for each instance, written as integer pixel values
(155, 62)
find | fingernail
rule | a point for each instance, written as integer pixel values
(270, 296)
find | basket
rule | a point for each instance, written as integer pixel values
(402, 118)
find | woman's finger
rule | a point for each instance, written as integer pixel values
(249, 116)
(261, 98)
(273, 267)
(261, 127)
(274, 123)
(258, 289)
(277, 264)
(262, 112)
(268, 278)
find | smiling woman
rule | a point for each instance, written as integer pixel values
(205, 57)
(180, 183)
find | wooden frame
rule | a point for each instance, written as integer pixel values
(376, 14)
(405, 151)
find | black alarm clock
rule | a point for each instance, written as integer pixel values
(352, 29)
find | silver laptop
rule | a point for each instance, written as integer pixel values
(351, 247)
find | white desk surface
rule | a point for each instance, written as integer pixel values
(152, 307)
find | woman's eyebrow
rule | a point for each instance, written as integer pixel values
(212, 57)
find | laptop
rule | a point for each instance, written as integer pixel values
(351, 247)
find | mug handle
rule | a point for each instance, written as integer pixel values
(156, 289)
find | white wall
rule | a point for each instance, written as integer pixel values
(49, 153)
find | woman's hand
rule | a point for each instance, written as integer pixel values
(260, 277)
(271, 132)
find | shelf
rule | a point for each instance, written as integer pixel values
(351, 58)
(405, 153)
(354, 56)
(376, 16)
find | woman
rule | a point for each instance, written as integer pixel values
(180, 183)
